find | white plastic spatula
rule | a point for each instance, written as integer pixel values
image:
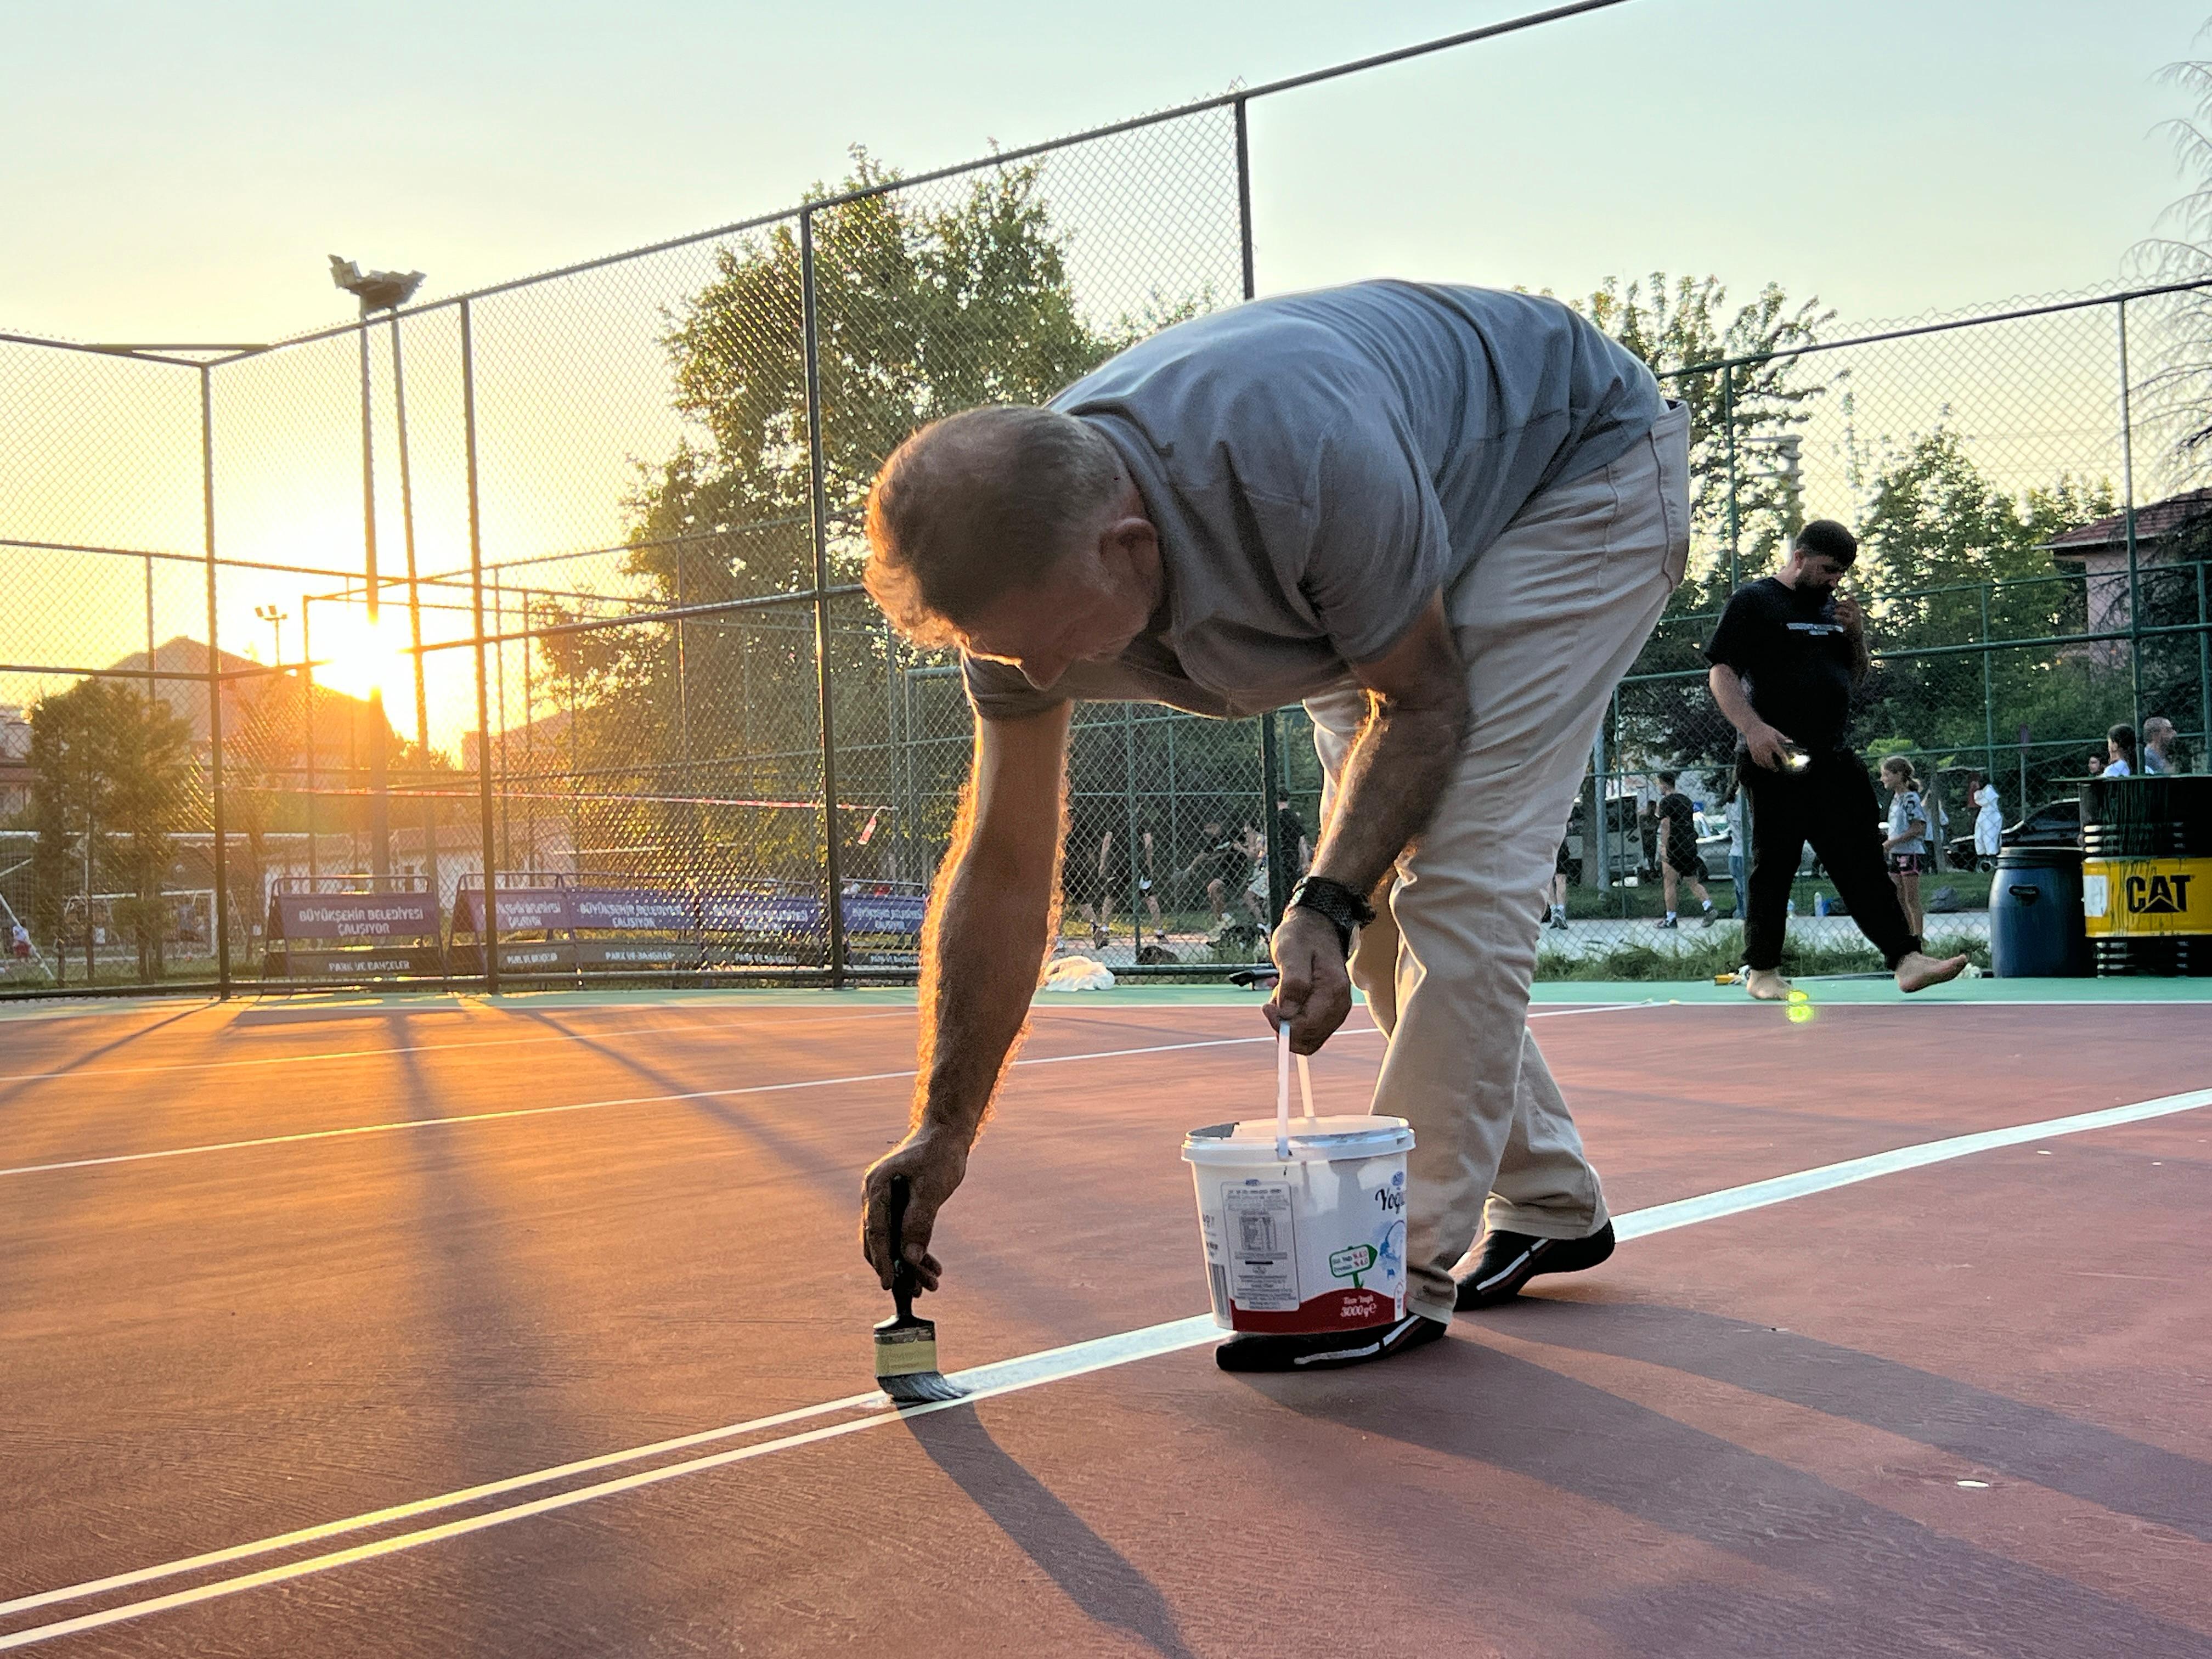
(1283, 1090)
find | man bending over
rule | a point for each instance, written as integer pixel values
(1446, 517)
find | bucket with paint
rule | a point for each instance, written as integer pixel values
(1304, 1220)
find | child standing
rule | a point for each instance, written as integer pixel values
(1906, 843)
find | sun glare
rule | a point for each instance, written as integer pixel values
(359, 658)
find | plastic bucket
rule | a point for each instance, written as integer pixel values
(1313, 1244)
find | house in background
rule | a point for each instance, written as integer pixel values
(2099, 551)
(14, 760)
(263, 722)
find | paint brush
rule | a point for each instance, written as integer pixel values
(906, 1347)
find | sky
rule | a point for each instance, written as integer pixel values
(179, 172)
(179, 175)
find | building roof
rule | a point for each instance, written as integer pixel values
(2154, 522)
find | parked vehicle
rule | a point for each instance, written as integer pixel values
(2054, 823)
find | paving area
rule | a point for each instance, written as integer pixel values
(428, 1325)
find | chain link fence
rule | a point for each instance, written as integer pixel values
(515, 638)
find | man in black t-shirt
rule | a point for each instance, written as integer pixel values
(1678, 848)
(1785, 657)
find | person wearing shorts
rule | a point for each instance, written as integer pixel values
(1906, 844)
(1562, 871)
(1678, 848)
(1087, 872)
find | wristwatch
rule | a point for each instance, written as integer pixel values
(1345, 909)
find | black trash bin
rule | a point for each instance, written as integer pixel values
(2035, 914)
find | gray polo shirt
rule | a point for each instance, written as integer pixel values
(1318, 465)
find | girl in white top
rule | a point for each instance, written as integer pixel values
(1907, 841)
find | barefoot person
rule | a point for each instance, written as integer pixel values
(1446, 517)
(1785, 657)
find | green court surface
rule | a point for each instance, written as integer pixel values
(1577, 992)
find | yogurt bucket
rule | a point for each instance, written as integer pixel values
(1313, 1244)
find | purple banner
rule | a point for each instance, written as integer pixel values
(627, 909)
(356, 915)
(521, 910)
(884, 913)
(764, 913)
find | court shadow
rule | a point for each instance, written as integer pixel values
(1829, 1561)
(78, 1062)
(1989, 1431)
(1095, 1576)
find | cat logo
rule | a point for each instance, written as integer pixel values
(2157, 896)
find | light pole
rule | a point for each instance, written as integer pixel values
(276, 619)
(377, 290)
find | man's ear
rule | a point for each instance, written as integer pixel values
(1131, 540)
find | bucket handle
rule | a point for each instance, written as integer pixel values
(2025, 895)
(1283, 1090)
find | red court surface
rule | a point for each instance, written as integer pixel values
(272, 1270)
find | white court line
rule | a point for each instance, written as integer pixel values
(984, 1383)
(658, 1099)
(436, 1048)
(595, 1105)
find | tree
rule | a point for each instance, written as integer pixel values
(1676, 326)
(925, 306)
(2178, 395)
(1948, 559)
(109, 764)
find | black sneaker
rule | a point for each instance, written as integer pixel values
(1670, 922)
(1257, 1350)
(1509, 1260)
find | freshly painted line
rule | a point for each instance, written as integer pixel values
(435, 1047)
(1733, 1200)
(595, 1105)
(984, 1382)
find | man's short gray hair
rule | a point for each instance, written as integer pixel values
(977, 505)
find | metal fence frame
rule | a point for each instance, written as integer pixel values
(207, 363)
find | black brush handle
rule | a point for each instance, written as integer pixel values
(902, 1284)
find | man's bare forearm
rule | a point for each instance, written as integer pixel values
(1729, 695)
(1393, 778)
(990, 921)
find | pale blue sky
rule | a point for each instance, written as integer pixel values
(178, 172)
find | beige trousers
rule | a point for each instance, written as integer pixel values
(1547, 620)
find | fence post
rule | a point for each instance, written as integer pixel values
(380, 804)
(430, 802)
(818, 496)
(1728, 423)
(2128, 518)
(1989, 701)
(214, 691)
(488, 934)
(307, 720)
(2203, 672)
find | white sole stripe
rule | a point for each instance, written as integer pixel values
(984, 1382)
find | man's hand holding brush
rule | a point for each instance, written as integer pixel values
(934, 1162)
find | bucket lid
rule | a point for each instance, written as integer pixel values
(2039, 858)
(1330, 1140)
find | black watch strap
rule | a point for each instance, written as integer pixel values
(1344, 908)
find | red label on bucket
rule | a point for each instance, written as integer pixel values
(1332, 1310)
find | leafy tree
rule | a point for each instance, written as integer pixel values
(2178, 395)
(109, 763)
(928, 302)
(1939, 540)
(1676, 324)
